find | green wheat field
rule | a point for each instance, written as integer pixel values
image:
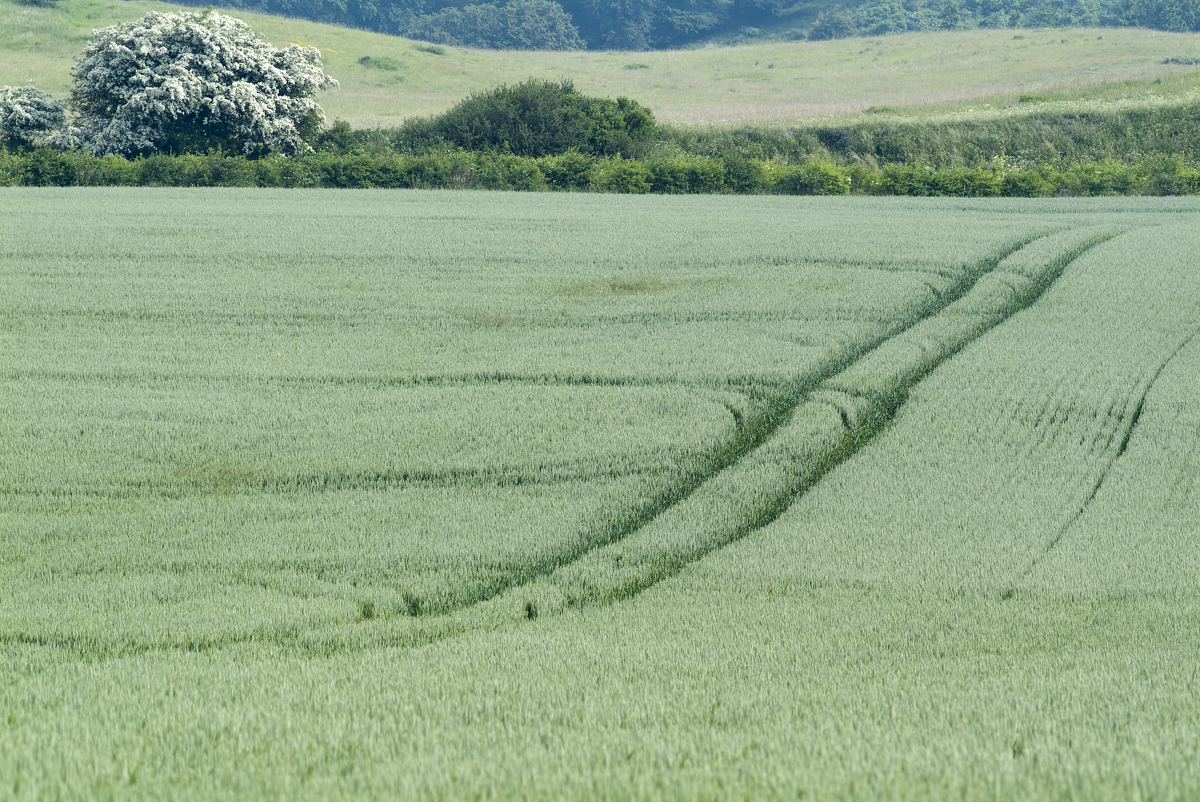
(434, 495)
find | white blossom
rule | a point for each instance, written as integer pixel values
(142, 85)
(28, 115)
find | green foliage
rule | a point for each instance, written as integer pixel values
(1031, 184)
(832, 24)
(534, 118)
(516, 25)
(505, 171)
(656, 24)
(897, 16)
(745, 176)
(1166, 175)
(683, 174)
(1163, 15)
(338, 138)
(619, 175)
(916, 179)
(1100, 178)
(44, 168)
(1028, 139)
(348, 166)
(570, 171)
(552, 137)
(814, 178)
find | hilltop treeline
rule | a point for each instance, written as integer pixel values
(879, 17)
(646, 24)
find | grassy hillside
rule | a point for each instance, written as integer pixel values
(764, 83)
(430, 495)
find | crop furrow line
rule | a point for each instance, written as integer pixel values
(404, 382)
(333, 482)
(1126, 433)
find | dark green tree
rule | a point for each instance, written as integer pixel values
(518, 25)
(832, 24)
(534, 118)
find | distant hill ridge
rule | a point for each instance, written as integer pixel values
(659, 24)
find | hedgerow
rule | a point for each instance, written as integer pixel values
(577, 172)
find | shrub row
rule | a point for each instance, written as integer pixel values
(573, 171)
(1044, 133)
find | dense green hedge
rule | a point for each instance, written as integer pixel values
(1036, 132)
(573, 171)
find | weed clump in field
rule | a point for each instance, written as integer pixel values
(413, 606)
(380, 63)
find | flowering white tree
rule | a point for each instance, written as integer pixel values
(28, 115)
(187, 82)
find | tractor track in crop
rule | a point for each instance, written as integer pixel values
(756, 428)
(883, 409)
(1107, 469)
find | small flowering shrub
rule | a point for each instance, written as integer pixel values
(190, 82)
(28, 115)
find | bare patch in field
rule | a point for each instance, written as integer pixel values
(613, 287)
